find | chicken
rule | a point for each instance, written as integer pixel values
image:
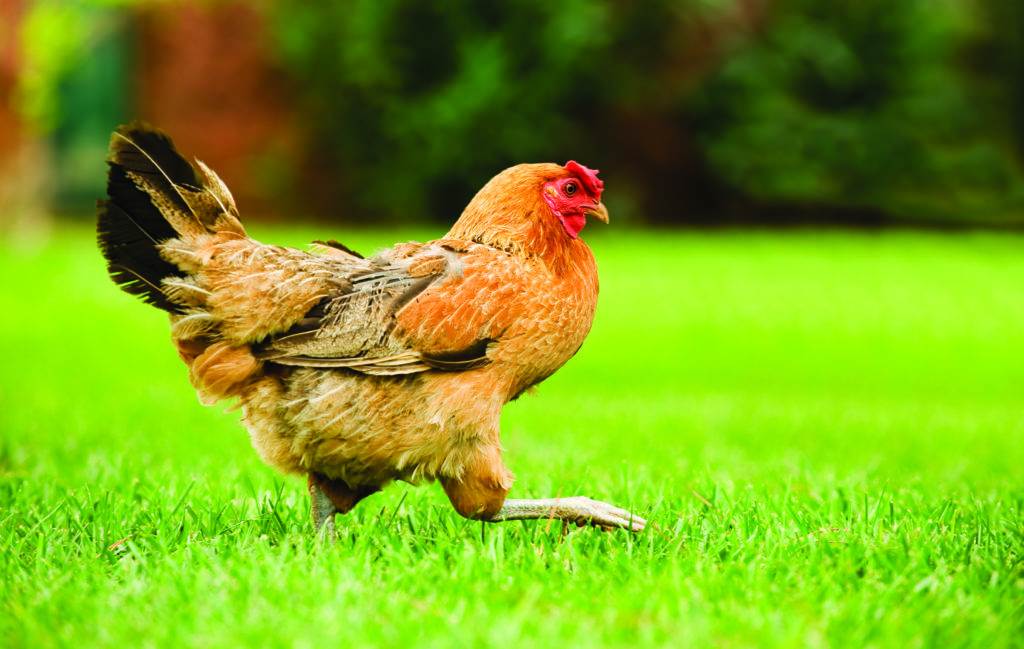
(357, 372)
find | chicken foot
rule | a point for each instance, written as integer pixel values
(578, 509)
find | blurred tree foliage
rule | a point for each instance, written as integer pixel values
(996, 68)
(695, 110)
(416, 102)
(72, 88)
(855, 105)
(861, 103)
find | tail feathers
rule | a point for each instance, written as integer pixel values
(155, 195)
(129, 244)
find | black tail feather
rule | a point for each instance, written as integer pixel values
(130, 226)
(147, 152)
(129, 247)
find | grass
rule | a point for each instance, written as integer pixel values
(823, 428)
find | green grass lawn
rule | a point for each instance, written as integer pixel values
(824, 429)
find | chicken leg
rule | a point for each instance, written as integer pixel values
(328, 497)
(480, 494)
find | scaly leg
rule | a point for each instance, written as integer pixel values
(578, 509)
(328, 497)
(322, 509)
(480, 492)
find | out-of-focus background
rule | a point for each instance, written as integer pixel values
(697, 111)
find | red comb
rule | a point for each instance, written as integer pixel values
(587, 176)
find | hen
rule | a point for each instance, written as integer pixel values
(357, 372)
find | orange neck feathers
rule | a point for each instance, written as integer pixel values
(510, 213)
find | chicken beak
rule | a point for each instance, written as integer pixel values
(598, 211)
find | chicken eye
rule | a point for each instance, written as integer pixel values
(570, 188)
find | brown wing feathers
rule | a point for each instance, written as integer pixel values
(353, 329)
(356, 328)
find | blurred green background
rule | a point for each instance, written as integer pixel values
(702, 112)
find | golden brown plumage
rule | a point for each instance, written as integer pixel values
(355, 371)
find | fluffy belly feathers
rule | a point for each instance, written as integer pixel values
(370, 430)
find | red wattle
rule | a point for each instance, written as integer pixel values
(573, 224)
